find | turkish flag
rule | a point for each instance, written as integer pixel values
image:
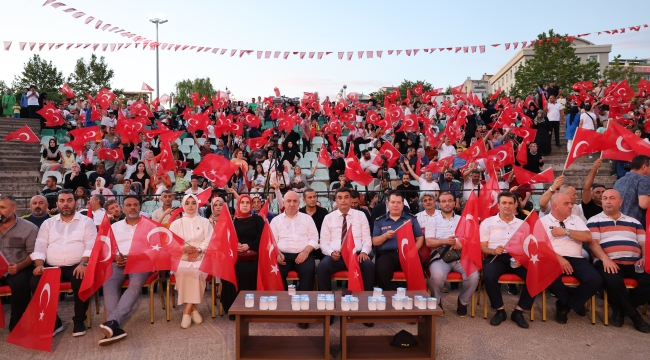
(353, 170)
(540, 260)
(522, 154)
(394, 95)
(544, 103)
(583, 85)
(86, 134)
(524, 176)
(216, 169)
(467, 232)
(252, 120)
(220, 257)
(256, 143)
(195, 99)
(489, 196)
(67, 91)
(527, 134)
(502, 155)
(475, 151)
(129, 130)
(324, 157)
(146, 87)
(392, 155)
(104, 98)
(110, 154)
(496, 94)
(353, 96)
(154, 248)
(410, 122)
(268, 271)
(52, 115)
(585, 142)
(197, 122)
(417, 90)
(351, 260)
(439, 165)
(139, 108)
(409, 258)
(418, 165)
(285, 123)
(35, 328)
(155, 104)
(623, 144)
(24, 134)
(276, 91)
(100, 264)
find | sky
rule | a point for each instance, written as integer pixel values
(333, 25)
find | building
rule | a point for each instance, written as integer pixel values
(585, 50)
(641, 66)
(478, 87)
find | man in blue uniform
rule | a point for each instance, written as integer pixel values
(385, 241)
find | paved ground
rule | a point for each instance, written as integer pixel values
(457, 338)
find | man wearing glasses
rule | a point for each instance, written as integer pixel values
(567, 232)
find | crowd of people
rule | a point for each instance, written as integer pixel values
(599, 241)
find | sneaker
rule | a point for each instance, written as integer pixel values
(58, 326)
(186, 321)
(117, 335)
(196, 317)
(79, 329)
(461, 309)
(107, 328)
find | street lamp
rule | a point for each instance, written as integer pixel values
(157, 21)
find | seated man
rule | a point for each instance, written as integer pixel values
(567, 232)
(366, 162)
(17, 239)
(343, 182)
(443, 228)
(385, 240)
(38, 206)
(114, 211)
(495, 232)
(619, 245)
(118, 306)
(410, 192)
(332, 234)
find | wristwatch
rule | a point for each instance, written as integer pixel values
(85, 263)
(568, 232)
(551, 189)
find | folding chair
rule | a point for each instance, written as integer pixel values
(510, 279)
(571, 281)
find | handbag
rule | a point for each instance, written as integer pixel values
(250, 255)
(445, 253)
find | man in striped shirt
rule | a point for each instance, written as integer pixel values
(619, 245)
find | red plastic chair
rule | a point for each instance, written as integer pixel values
(508, 279)
(571, 281)
(66, 287)
(171, 300)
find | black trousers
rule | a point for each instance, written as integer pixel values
(80, 307)
(618, 295)
(590, 282)
(306, 145)
(385, 265)
(328, 266)
(21, 293)
(491, 273)
(555, 128)
(306, 271)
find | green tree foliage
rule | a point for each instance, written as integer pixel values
(406, 84)
(553, 61)
(617, 71)
(90, 77)
(185, 87)
(42, 74)
(3, 87)
(447, 91)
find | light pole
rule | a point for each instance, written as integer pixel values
(157, 21)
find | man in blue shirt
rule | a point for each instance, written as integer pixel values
(24, 112)
(385, 240)
(634, 188)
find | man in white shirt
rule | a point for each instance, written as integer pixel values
(296, 236)
(495, 232)
(97, 202)
(65, 241)
(366, 162)
(32, 103)
(332, 234)
(428, 185)
(440, 236)
(446, 149)
(118, 306)
(559, 187)
(567, 232)
(554, 112)
(472, 180)
(162, 214)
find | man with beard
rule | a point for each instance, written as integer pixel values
(118, 306)
(316, 212)
(453, 187)
(113, 211)
(409, 192)
(366, 162)
(592, 193)
(38, 206)
(65, 241)
(17, 238)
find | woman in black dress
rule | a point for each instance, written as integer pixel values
(543, 136)
(535, 160)
(249, 228)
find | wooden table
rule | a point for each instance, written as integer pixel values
(378, 347)
(280, 347)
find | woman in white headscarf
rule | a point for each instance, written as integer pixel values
(190, 282)
(101, 190)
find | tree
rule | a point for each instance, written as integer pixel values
(554, 59)
(406, 84)
(43, 75)
(90, 77)
(618, 71)
(447, 91)
(3, 87)
(184, 88)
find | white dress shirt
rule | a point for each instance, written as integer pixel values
(553, 113)
(446, 150)
(330, 232)
(426, 222)
(123, 233)
(98, 216)
(367, 164)
(497, 232)
(443, 227)
(61, 243)
(195, 231)
(564, 245)
(293, 235)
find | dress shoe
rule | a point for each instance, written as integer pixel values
(518, 317)
(582, 311)
(640, 324)
(461, 309)
(303, 325)
(498, 318)
(617, 317)
(561, 313)
(231, 317)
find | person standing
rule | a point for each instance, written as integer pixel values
(554, 112)
(17, 239)
(634, 187)
(8, 102)
(66, 240)
(619, 246)
(196, 231)
(118, 304)
(24, 110)
(33, 105)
